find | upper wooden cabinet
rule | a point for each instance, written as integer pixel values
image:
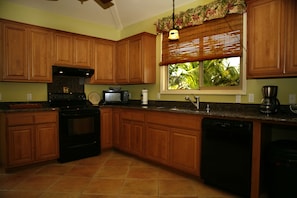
(272, 42)
(136, 59)
(104, 62)
(26, 53)
(72, 49)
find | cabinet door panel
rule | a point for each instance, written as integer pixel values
(135, 61)
(185, 151)
(82, 51)
(40, 55)
(63, 49)
(46, 142)
(15, 53)
(157, 143)
(122, 62)
(137, 138)
(291, 48)
(264, 38)
(106, 127)
(104, 62)
(20, 145)
(124, 135)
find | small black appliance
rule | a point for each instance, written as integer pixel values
(270, 103)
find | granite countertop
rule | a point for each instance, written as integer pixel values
(9, 107)
(219, 110)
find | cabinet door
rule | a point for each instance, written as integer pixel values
(46, 140)
(135, 60)
(122, 62)
(104, 61)
(136, 138)
(291, 44)
(63, 49)
(82, 50)
(157, 143)
(124, 135)
(20, 145)
(116, 127)
(265, 33)
(15, 52)
(106, 127)
(185, 153)
(40, 54)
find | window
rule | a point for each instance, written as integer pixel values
(209, 58)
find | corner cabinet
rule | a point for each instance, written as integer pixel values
(31, 137)
(27, 53)
(104, 62)
(272, 42)
(136, 59)
(72, 49)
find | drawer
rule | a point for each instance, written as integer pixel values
(14, 119)
(133, 115)
(46, 117)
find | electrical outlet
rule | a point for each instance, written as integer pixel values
(251, 98)
(238, 98)
(292, 98)
(29, 96)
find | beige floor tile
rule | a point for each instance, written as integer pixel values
(54, 169)
(101, 186)
(143, 173)
(37, 183)
(140, 187)
(177, 187)
(9, 181)
(113, 172)
(70, 184)
(82, 171)
(60, 195)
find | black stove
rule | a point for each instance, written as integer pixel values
(69, 101)
(79, 126)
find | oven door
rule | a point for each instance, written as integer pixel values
(79, 133)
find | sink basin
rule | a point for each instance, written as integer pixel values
(178, 109)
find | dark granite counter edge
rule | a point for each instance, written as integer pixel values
(219, 110)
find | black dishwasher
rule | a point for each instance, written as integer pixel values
(226, 154)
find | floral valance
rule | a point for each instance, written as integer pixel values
(196, 16)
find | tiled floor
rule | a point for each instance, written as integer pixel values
(110, 175)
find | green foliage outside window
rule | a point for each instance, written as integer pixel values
(216, 73)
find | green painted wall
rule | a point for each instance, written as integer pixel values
(19, 91)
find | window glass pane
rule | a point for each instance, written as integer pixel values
(183, 76)
(221, 72)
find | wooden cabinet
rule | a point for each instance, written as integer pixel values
(72, 49)
(272, 43)
(116, 114)
(31, 137)
(136, 59)
(157, 143)
(26, 53)
(106, 123)
(174, 139)
(104, 62)
(131, 131)
(40, 57)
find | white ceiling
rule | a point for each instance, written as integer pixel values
(120, 15)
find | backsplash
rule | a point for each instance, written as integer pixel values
(66, 84)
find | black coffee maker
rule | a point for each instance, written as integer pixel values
(270, 103)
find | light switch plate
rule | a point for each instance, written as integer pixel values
(238, 98)
(29, 96)
(251, 98)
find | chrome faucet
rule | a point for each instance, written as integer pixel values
(196, 103)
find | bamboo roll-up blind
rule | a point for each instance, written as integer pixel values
(214, 39)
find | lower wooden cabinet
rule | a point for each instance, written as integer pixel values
(172, 139)
(31, 137)
(106, 123)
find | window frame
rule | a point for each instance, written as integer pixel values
(241, 90)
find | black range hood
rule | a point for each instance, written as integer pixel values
(71, 71)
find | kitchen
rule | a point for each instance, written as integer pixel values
(38, 91)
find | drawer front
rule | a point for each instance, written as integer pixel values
(14, 119)
(46, 117)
